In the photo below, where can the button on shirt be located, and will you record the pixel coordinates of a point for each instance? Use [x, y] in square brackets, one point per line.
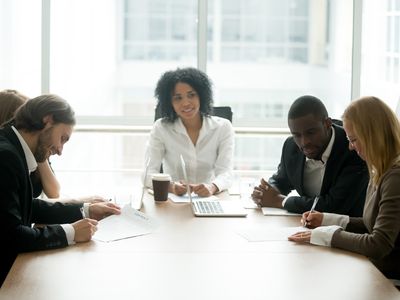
[209, 161]
[314, 171]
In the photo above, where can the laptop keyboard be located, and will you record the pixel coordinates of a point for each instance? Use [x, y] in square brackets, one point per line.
[208, 207]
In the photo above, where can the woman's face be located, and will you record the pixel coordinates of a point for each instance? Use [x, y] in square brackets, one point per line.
[185, 101]
[354, 143]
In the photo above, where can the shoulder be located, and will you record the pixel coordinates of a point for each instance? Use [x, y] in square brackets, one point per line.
[162, 124]
[289, 146]
[390, 180]
[218, 122]
[9, 155]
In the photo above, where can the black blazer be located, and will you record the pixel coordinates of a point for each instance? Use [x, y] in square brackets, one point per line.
[18, 209]
[343, 186]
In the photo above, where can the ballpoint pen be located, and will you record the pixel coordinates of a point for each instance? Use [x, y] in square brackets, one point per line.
[312, 208]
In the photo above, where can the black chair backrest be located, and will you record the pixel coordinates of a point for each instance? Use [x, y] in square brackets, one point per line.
[219, 111]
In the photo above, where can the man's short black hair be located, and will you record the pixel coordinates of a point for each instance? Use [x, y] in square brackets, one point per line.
[306, 105]
[197, 79]
[30, 115]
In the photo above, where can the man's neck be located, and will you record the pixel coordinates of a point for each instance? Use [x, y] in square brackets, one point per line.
[29, 138]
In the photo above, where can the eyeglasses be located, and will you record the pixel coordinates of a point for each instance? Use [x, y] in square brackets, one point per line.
[352, 141]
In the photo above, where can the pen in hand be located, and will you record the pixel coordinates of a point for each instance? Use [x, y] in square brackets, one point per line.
[312, 209]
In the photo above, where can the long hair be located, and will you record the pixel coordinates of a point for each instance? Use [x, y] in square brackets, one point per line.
[377, 129]
[30, 116]
[197, 79]
[10, 100]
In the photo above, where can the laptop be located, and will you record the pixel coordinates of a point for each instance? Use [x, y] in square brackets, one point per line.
[212, 208]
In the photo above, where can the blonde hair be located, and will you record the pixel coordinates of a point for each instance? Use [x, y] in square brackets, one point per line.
[377, 129]
[10, 100]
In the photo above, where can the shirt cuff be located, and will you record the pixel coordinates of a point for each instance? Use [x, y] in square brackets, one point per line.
[335, 219]
[85, 212]
[322, 236]
[284, 200]
[69, 233]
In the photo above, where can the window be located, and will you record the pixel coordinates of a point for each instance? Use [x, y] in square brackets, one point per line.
[106, 57]
[380, 72]
[20, 35]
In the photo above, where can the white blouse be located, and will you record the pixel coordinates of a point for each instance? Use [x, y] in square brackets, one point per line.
[209, 161]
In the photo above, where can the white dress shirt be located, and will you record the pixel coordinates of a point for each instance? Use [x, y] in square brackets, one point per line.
[209, 161]
[32, 165]
[314, 170]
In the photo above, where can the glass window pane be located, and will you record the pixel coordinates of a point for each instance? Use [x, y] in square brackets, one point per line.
[270, 53]
[381, 51]
[106, 56]
[20, 36]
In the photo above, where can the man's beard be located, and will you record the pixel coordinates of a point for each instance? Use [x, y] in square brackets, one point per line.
[42, 149]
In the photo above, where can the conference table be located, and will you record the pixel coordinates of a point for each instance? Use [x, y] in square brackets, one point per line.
[189, 257]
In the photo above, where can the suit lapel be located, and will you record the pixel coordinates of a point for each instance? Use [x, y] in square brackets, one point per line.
[297, 163]
[333, 160]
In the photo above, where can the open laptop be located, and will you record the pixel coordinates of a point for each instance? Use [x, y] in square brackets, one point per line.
[212, 208]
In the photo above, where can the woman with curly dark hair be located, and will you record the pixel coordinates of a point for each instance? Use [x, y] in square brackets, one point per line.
[187, 128]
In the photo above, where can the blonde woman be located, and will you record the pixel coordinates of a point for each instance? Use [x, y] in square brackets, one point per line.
[373, 131]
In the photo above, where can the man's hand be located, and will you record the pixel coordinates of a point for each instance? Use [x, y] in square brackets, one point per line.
[266, 195]
[204, 189]
[84, 229]
[101, 210]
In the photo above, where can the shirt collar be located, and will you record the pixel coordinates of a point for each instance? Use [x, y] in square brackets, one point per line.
[208, 123]
[328, 149]
[30, 159]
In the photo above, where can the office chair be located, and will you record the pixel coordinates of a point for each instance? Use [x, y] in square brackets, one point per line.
[219, 111]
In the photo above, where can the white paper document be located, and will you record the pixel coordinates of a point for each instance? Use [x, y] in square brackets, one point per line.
[273, 211]
[260, 234]
[129, 223]
[185, 198]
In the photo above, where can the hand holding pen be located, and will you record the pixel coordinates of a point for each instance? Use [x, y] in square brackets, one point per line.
[312, 218]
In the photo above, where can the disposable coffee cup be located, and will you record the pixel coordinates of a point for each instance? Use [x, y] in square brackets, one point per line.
[160, 186]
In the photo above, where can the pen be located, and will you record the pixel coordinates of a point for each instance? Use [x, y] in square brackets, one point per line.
[314, 204]
[312, 208]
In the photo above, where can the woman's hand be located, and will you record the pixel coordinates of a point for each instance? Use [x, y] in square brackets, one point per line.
[312, 220]
[204, 189]
[178, 188]
[300, 237]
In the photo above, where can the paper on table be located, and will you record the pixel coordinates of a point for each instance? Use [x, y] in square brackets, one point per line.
[269, 234]
[129, 223]
[185, 198]
[273, 211]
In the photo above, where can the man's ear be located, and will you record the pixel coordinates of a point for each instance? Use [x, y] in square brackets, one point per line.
[48, 121]
[328, 122]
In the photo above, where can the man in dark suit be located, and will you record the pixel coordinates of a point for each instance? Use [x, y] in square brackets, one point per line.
[315, 161]
[41, 128]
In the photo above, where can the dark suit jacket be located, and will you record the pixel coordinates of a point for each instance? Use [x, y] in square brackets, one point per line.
[18, 209]
[344, 184]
